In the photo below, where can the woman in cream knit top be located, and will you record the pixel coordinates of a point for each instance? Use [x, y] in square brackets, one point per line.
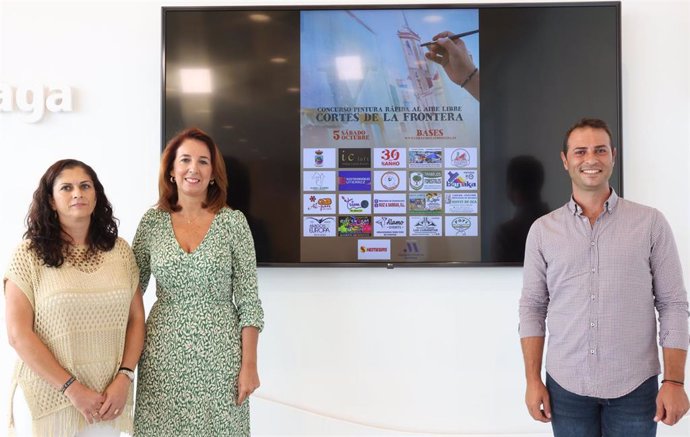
[74, 313]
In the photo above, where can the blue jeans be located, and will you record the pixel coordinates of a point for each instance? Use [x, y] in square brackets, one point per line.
[631, 415]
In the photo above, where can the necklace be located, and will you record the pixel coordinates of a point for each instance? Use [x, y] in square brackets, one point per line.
[190, 220]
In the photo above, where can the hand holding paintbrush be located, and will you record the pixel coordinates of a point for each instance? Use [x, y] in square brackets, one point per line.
[449, 51]
[454, 36]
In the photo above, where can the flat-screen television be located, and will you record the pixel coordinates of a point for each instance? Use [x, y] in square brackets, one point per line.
[346, 145]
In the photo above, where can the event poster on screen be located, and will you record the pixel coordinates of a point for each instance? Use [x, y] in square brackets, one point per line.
[390, 146]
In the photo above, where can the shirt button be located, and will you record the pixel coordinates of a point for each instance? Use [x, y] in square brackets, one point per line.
[593, 270]
[593, 297]
[592, 324]
[592, 243]
[592, 351]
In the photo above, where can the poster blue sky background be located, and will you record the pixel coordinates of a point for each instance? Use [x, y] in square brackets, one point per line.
[371, 35]
[425, 22]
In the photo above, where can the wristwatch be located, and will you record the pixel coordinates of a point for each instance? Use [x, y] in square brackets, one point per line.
[129, 373]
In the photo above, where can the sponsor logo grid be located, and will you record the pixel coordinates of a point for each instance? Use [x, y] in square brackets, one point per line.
[391, 192]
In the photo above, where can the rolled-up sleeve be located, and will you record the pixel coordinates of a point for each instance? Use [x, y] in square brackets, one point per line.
[670, 295]
[534, 300]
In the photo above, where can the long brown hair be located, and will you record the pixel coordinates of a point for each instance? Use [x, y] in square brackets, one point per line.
[43, 224]
[216, 194]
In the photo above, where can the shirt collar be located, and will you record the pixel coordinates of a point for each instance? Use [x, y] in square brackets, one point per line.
[609, 205]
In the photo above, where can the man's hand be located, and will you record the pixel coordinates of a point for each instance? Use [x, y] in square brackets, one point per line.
[671, 403]
[537, 397]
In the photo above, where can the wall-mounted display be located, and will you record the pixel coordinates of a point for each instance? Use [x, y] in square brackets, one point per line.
[352, 136]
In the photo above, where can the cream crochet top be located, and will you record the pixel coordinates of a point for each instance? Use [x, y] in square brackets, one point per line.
[80, 313]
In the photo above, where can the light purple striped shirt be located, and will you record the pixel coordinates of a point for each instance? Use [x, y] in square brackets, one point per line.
[596, 287]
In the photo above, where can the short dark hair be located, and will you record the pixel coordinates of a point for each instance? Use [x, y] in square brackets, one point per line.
[43, 224]
[594, 123]
[216, 194]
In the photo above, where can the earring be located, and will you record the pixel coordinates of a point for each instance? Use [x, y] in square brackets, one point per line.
[172, 179]
[213, 181]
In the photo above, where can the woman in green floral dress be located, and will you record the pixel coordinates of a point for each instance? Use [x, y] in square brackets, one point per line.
[199, 362]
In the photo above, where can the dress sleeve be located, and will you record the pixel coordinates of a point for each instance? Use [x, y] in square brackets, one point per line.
[142, 248]
[22, 270]
[244, 280]
[130, 264]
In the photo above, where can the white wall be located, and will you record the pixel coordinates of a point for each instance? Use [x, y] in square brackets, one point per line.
[345, 351]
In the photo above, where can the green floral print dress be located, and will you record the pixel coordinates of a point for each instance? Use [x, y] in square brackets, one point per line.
[187, 377]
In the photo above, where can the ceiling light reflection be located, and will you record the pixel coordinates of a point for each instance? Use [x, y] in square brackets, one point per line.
[432, 19]
[259, 18]
[349, 67]
[196, 80]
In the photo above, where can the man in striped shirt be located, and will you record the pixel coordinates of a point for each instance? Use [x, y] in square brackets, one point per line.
[599, 267]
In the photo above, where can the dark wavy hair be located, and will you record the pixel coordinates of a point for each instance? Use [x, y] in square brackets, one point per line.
[216, 194]
[43, 225]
